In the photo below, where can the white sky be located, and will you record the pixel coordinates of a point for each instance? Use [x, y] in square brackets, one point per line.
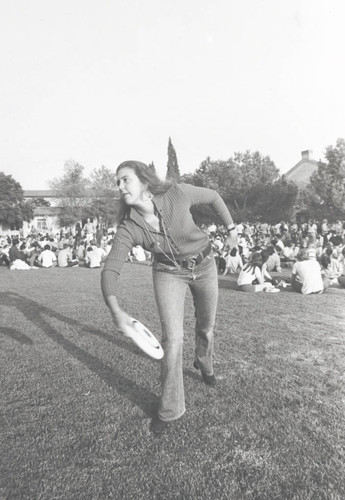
[103, 81]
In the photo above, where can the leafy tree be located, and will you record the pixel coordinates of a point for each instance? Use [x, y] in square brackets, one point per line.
[327, 184]
[72, 193]
[173, 171]
[274, 202]
[236, 179]
[250, 185]
[152, 166]
[104, 195]
[13, 209]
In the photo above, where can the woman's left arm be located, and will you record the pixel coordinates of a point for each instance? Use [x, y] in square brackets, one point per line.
[204, 196]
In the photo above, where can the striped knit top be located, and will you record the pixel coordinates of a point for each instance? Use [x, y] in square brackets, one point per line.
[178, 236]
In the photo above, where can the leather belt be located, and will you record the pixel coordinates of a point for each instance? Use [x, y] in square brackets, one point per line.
[189, 263]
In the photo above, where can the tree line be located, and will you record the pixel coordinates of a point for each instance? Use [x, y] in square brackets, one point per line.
[248, 182]
[252, 188]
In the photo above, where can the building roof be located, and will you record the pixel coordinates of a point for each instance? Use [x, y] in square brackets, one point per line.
[50, 193]
[47, 193]
[303, 170]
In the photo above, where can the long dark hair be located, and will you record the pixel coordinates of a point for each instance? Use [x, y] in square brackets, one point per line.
[257, 260]
[146, 175]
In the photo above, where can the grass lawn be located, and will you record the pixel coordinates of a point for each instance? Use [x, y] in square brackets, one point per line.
[76, 399]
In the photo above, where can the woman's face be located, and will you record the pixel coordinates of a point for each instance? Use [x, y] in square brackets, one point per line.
[130, 186]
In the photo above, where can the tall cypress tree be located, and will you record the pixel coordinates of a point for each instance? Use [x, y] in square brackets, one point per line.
[173, 171]
[152, 167]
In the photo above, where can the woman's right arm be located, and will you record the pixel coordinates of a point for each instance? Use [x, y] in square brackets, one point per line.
[123, 243]
[121, 319]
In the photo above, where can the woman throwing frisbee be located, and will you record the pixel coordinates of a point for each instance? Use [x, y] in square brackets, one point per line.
[156, 215]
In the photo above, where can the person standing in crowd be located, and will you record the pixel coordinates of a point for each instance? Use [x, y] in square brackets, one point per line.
[89, 230]
[99, 235]
[156, 215]
[324, 232]
[78, 234]
[312, 232]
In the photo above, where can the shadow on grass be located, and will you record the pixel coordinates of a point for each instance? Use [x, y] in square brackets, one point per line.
[192, 374]
[16, 335]
[34, 312]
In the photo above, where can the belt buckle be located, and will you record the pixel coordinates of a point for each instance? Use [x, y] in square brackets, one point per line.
[191, 263]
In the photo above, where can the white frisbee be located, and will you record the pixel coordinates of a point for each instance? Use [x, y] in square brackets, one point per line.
[144, 339]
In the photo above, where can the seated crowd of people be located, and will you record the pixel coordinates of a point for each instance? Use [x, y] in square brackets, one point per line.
[315, 252]
[46, 251]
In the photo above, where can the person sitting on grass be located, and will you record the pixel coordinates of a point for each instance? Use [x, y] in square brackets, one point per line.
[331, 265]
[4, 255]
[233, 262]
[17, 257]
[266, 275]
[306, 275]
[273, 262]
[222, 260]
[81, 251]
[252, 276]
[47, 258]
[33, 251]
[341, 259]
[65, 257]
[93, 258]
[341, 279]
[101, 252]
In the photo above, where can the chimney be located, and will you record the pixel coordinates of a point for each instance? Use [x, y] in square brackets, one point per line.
[307, 154]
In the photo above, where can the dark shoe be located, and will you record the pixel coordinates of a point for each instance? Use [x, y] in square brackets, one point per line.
[158, 426]
[208, 379]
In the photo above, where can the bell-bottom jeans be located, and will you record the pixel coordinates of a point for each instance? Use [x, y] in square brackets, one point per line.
[170, 285]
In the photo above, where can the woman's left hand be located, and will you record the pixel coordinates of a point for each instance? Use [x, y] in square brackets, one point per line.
[232, 239]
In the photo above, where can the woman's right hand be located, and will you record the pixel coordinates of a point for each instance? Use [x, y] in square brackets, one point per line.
[123, 322]
[121, 319]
